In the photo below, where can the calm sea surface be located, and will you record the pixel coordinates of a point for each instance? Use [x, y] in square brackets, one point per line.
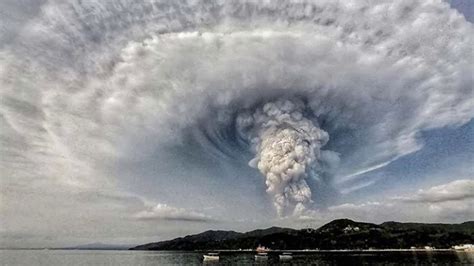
[93, 257]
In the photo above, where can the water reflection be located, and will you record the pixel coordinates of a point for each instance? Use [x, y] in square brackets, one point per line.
[119, 258]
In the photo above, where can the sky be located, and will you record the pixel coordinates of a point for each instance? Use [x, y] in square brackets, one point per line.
[130, 122]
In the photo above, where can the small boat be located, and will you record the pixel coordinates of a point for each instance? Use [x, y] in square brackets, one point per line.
[465, 247]
[261, 256]
[262, 249]
[285, 256]
[211, 256]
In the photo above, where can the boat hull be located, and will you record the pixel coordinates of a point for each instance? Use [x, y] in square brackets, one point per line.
[210, 257]
[261, 257]
[286, 257]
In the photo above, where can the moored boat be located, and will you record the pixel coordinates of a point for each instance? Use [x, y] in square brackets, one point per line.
[261, 256]
[262, 249]
[286, 256]
[464, 247]
[211, 256]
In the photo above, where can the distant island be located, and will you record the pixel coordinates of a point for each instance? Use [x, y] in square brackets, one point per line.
[98, 246]
[336, 235]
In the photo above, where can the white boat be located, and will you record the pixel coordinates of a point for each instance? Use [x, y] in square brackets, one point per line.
[261, 256]
[465, 247]
[211, 256]
[286, 256]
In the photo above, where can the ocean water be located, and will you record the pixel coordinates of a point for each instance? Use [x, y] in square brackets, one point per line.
[99, 257]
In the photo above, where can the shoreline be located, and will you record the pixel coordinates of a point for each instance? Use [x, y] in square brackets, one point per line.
[332, 250]
[254, 252]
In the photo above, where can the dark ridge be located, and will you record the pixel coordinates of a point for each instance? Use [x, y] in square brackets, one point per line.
[268, 231]
[338, 234]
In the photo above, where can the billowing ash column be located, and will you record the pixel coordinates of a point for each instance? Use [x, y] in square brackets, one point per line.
[287, 146]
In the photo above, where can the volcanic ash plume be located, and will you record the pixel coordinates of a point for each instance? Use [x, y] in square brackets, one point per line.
[287, 147]
[176, 92]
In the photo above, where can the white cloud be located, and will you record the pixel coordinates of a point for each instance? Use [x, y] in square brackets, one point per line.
[68, 215]
[451, 202]
[455, 191]
[165, 212]
[378, 212]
